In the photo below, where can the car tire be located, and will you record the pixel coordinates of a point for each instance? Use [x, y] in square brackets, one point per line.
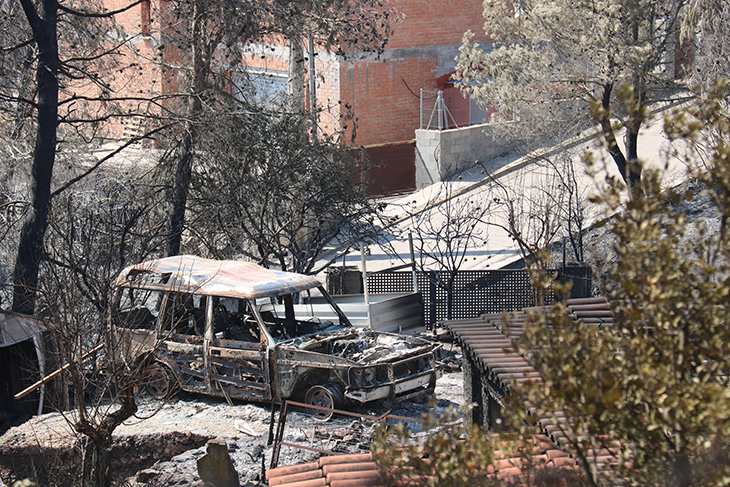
[326, 396]
[159, 382]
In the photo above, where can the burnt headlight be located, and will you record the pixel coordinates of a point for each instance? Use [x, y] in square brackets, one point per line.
[368, 376]
[363, 377]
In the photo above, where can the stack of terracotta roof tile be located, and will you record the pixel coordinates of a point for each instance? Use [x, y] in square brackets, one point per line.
[544, 455]
[362, 471]
[487, 340]
[484, 342]
[336, 471]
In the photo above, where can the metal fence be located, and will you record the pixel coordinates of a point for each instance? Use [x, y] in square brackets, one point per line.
[474, 292]
[450, 108]
[443, 111]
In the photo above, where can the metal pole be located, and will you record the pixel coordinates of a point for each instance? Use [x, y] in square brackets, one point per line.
[41, 371]
[365, 281]
[421, 106]
[54, 374]
[440, 109]
[413, 262]
[312, 87]
[444, 112]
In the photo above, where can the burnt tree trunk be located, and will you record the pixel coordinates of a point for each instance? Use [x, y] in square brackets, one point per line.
[450, 295]
[180, 189]
[43, 23]
[98, 447]
[97, 473]
[629, 170]
[185, 156]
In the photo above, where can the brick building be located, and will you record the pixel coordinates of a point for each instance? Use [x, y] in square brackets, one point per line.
[373, 100]
[423, 48]
[378, 101]
[381, 93]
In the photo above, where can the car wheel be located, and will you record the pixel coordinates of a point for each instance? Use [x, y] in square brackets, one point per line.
[158, 382]
[325, 396]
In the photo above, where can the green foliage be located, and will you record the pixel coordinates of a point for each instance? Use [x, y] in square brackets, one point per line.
[650, 391]
[655, 381]
[452, 453]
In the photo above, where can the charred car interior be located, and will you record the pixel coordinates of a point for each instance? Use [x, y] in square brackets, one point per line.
[237, 330]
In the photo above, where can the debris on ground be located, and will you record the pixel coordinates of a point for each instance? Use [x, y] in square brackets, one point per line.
[162, 444]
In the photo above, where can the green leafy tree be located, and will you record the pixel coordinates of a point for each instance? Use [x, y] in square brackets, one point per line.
[650, 392]
[655, 382]
[453, 453]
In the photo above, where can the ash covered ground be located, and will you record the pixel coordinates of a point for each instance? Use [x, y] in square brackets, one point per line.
[162, 444]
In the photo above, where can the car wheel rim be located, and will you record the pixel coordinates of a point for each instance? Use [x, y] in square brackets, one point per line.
[323, 397]
[158, 385]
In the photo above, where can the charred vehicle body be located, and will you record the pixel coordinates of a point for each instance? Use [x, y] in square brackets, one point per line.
[228, 328]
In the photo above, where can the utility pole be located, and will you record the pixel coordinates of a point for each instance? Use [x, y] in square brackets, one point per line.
[312, 87]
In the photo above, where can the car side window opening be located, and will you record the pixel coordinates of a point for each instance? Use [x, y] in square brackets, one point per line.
[285, 321]
[233, 319]
[139, 308]
[184, 314]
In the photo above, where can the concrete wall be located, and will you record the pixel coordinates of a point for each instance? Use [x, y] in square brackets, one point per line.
[441, 154]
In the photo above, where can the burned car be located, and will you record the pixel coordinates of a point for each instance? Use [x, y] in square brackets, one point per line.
[237, 330]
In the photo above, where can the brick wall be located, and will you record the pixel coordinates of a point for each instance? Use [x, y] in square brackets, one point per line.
[383, 96]
[136, 74]
[436, 22]
[327, 68]
[375, 100]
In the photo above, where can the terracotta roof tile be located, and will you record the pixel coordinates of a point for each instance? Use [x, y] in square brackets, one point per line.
[349, 467]
[358, 470]
[292, 469]
[297, 477]
[361, 470]
[319, 482]
[487, 341]
[483, 340]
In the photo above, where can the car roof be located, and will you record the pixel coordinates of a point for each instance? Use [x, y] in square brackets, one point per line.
[197, 275]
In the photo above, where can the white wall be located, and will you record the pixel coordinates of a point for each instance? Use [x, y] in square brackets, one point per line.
[441, 154]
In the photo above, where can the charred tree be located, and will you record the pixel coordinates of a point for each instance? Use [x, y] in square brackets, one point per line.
[43, 20]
